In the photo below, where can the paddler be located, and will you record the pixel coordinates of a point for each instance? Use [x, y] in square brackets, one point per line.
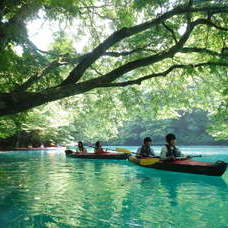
[145, 150]
[80, 148]
[170, 151]
[98, 148]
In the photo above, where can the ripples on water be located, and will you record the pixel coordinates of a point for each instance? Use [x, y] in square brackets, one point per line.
[46, 189]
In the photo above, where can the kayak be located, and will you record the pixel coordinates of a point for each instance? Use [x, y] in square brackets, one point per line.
[105, 155]
[185, 166]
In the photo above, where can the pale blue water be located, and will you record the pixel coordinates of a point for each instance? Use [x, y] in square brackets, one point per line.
[46, 189]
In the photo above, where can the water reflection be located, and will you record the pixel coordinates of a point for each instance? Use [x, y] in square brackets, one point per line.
[50, 190]
[174, 198]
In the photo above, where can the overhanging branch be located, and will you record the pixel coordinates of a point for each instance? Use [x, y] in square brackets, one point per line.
[117, 36]
[162, 74]
[20, 100]
[118, 72]
[203, 51]
[63, 60]
[37, 76]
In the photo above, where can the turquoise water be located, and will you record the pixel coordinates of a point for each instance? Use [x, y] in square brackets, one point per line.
[45, 189]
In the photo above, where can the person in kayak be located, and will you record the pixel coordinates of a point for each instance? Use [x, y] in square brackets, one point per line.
[98, 148]
[145, 150]
[170, 151]
[80, 148]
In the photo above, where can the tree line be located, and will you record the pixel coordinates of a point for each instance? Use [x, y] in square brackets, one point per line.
[191, 128]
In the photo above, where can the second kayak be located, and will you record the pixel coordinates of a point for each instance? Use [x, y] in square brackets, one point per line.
[105, 155]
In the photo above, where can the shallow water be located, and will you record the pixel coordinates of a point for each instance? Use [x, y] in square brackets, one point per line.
[46, 189]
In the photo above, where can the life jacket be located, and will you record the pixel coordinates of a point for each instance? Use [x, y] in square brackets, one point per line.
[172, 151]
[145, 151]
[81, 150]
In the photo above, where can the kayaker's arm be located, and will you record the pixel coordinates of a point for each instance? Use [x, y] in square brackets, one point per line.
[179, 153]
[152, 154]
[163, 154]
[138, 152]
[182, 156]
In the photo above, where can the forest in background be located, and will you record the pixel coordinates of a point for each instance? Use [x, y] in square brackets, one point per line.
[191, 128]
[47, 126]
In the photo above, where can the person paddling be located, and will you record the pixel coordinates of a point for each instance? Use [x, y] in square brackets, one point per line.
[98, 148]
[145, 150]
[80, 148]
[170, 151]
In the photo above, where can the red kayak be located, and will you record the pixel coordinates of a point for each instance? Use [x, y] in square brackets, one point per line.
[185, 166]
[105, 155]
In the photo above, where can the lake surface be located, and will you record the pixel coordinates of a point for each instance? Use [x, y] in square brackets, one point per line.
[45, 189]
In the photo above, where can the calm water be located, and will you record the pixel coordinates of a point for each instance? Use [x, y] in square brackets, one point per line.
[46, 189]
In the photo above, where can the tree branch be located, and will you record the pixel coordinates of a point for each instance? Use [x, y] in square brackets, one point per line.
[18, 101]
[116, 73]
[203, 50]
[37, 76]
[210, 23]
[63, 60]
[95, 7]
[125, 68]
[124, 53]
[161, 74]
[94, 69]
[171, 31]
[117, 36]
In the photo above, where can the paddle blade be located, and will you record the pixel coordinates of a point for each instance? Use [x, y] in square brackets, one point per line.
[149, 161]
[123, 150]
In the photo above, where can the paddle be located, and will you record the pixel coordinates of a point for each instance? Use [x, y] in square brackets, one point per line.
[129, 152]
[199, 156]
[124, 150]
[196, 156]
[191, 156]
